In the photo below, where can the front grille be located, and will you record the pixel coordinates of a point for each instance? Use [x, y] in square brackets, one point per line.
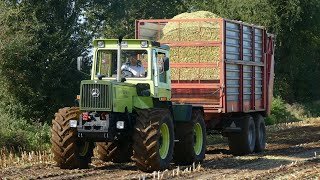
[95, 97]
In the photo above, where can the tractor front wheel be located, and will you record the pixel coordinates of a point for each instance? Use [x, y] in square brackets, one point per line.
[69, 153]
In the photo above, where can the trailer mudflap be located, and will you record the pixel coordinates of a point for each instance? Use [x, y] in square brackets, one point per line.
[232, 128]
[182, 112]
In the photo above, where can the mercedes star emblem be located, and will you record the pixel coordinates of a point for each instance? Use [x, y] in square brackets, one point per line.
[95, 92]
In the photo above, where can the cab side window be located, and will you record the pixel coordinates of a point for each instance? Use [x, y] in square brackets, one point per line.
[162, 73]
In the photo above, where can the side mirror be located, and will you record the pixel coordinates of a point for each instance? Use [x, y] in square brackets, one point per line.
[166, 64]
[79, 63]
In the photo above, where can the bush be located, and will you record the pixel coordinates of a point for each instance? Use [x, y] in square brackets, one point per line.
[280, 112]
[19, 134]
[313, 109]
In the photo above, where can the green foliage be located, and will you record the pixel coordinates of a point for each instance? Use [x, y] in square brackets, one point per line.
[18, 134]
[280, 113]
[109, 19]
[283, 112]
[313, 109]
[39, 46]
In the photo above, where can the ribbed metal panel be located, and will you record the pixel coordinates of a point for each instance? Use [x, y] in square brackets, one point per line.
[233, 82]
[90, 100]
[247, 82]
[258, 45]
[258, 83]
[232, 41]
[247, 43]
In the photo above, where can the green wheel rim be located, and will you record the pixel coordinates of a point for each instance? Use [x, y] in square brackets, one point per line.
[198, 138]
[84, 149]
[164, 141]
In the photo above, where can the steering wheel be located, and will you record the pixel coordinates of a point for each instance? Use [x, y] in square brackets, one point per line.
[126, 73]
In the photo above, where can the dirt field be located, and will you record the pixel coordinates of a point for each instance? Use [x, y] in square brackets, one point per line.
[293, 152]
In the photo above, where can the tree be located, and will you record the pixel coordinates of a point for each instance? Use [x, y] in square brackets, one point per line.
[109, 19]
[41, 42]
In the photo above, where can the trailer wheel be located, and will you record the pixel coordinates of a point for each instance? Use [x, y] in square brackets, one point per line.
[243, 143]
[117, 152]
[260, 133]
[153, 139]
[68, 152]
[192, 140]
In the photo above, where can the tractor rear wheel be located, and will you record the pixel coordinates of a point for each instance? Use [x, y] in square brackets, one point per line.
[117, 152]
[243, 142]
[192, 140]
[153, 139]
[68, 152]
[260, 133]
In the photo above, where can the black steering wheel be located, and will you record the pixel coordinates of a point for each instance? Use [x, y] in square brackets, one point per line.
[126, 73]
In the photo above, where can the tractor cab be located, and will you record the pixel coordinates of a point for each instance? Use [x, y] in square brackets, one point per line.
[132, 72]
[140, 60]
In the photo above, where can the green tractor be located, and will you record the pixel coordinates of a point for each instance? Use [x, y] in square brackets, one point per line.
[126, 112]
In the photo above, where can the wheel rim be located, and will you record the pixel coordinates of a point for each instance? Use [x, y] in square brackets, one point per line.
[84, 149]
[198, 138]
[164, 141]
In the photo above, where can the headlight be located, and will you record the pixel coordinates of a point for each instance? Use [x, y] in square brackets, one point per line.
[120, 124]
[144, 44]
[101, 44]
[73, 123]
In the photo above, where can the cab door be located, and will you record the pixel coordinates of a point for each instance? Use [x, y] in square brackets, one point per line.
[161, 74]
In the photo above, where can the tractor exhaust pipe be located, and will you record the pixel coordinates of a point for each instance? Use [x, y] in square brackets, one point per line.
[119, 60]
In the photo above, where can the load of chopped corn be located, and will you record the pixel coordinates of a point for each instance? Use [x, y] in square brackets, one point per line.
[181, 32]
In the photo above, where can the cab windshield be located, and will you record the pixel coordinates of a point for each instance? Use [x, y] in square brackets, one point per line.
[134, 63]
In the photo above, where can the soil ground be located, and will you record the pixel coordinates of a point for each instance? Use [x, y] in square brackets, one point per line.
[293, 152]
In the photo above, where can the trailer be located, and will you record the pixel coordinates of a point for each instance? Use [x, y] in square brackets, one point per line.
[244, 86]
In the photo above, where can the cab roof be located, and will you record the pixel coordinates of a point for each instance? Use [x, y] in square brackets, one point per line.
[128, 43]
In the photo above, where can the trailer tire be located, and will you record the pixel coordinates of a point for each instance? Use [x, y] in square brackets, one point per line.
[192, 145]
[69, 153]
[260, 133]
[243, 143]
[116, 152]
[153, 139]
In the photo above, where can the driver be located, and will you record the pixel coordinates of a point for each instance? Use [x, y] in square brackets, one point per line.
[134, 66]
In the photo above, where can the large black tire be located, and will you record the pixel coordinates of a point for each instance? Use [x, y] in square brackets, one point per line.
[260, 133]
[68, 152]
[148, 139]
[243, 143]
[117, 152]
[184, 150]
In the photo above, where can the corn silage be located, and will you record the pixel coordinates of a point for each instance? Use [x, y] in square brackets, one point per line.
[181, 32]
